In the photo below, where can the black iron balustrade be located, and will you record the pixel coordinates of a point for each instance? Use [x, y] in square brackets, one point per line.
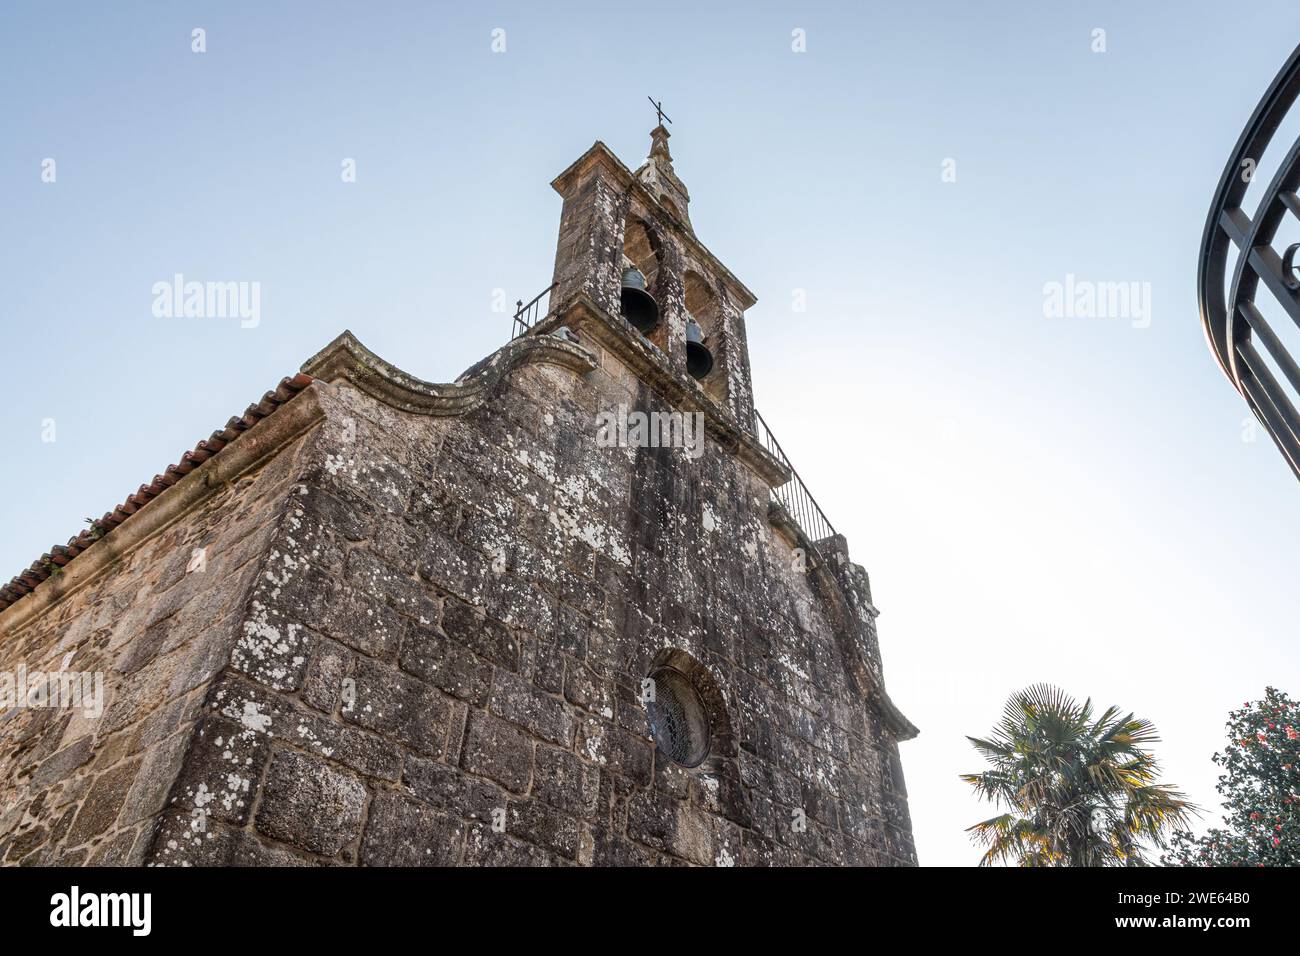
[526, 316]
[1234, 325]
[794, 495]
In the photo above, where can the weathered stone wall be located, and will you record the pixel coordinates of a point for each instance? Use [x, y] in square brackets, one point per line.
[86, 785]
[454, 618]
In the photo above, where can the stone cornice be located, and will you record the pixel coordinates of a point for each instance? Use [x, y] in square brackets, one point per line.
[346, 359]
[601, 154]
[586, 318]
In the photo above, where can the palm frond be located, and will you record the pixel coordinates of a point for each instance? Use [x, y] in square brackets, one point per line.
[1080, 788]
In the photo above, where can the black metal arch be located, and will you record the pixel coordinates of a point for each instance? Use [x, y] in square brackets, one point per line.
[1234, 326]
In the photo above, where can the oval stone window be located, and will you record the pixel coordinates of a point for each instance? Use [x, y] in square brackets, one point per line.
[677, 717]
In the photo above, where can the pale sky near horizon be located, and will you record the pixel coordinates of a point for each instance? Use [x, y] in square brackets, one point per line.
[1037, 499]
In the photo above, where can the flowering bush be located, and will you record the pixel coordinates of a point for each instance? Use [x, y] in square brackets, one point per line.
[1261, 790]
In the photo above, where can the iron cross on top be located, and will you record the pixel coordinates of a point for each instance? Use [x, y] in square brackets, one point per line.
[659, 110]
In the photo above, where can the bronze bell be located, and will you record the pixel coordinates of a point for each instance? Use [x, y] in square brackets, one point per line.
[638, 305]
[699, 360]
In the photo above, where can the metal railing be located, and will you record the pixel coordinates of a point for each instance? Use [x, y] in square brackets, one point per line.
[526, 316]
[1234, 326]
[794, 495]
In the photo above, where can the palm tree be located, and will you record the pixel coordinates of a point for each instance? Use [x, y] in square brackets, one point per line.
[1079, 791]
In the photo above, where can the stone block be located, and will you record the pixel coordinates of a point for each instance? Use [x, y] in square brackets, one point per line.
[401, 831]
[103, 803]
[499, 751]
[398, 706]
[309, 804]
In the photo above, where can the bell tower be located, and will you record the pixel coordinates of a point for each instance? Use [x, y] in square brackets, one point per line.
[628, 265]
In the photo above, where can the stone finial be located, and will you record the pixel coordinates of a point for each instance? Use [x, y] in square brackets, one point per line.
[657, 174]
[659, 146]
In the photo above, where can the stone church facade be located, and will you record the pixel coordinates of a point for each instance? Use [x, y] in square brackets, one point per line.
[378, 621]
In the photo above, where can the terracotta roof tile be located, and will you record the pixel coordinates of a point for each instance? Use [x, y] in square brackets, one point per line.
[60, 555]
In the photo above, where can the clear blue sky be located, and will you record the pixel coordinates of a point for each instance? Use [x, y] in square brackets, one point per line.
[1067, 500]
